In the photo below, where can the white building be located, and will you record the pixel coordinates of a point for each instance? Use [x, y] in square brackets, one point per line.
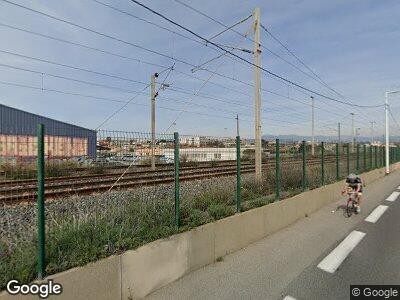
[205, 154]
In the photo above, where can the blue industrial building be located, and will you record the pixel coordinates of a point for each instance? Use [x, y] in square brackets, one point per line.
[16, 125]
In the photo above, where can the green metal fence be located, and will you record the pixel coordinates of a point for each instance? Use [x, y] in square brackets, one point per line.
[136, 189]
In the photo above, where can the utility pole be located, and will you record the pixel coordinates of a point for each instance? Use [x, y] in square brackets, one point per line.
[352, 132]
[372, 131]
[257, 85]
[387, 132]
[338, 132]
[387, 127]
[153, 119]
[237, 125]
[312, 126]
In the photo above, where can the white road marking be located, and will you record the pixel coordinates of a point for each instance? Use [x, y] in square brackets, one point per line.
[339, 254]
[289, 298]
[393, 196]
[376, 214]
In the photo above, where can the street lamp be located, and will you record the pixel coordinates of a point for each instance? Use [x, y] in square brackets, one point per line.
[387, 128]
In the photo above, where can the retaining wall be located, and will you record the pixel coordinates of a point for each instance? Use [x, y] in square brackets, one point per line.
[136, 273]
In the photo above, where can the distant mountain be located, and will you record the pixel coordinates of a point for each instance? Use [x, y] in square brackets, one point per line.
[322, 138]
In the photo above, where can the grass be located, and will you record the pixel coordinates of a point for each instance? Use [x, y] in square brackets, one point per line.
[83, 230]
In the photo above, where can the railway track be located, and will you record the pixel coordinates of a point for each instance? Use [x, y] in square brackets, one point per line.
[14, 191]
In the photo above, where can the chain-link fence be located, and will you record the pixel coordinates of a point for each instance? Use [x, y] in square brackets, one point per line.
[101, 193]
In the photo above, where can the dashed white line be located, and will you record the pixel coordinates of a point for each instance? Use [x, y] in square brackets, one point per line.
[339, 254]
[289, 298]
[376, 214]
[393, 196]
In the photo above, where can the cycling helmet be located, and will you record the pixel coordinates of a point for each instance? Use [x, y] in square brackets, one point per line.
[352, 176]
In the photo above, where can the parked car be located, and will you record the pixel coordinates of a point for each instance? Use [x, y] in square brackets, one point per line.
[166, 160]
[130, 158]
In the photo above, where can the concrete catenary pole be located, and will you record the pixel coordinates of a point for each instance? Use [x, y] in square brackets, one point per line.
[372, 131]
[353, 139]
[387, 132]
[387, 127]
[153, 119]
[312, 126]
[257, 99]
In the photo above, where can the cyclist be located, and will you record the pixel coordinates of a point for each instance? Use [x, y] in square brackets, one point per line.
[355, 183]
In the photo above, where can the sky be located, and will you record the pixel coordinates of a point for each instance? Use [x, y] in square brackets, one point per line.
[82, 77]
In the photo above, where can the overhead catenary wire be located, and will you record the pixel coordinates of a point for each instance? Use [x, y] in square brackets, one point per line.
[239, 33]
[318, 78]
[113, 76]
[122, 41]
[178, 71]
[178, 90]
[179, 60]
[184, 91]
[230, 112]
[130, 100]
[191, 76]
[250, 63]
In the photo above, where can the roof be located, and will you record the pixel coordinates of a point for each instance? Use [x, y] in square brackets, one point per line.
[13, 120]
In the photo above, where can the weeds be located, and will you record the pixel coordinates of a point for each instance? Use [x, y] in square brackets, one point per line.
[87, 228]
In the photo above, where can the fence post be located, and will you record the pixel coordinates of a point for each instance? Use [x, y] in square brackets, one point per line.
[322, 163]
[40, 202]
[177, 185]
[348, 157]
[358, 158]
[238, 178]
[365, 157]
[277, 171]
[337, 162]
[370, 157]
[376, 156]
[391, 154]
[303, 152]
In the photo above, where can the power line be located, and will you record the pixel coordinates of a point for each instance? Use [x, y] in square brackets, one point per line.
[391, 114]
[126, 102]
[97, 32]
[222, 24]
[245, 60]
[239, 33]
[317, 77]
[130, 100]
[118, 55]
[132, 44]
[80, 45]
[177, 89]
[71, 67]
[169, 57]
[121, 41]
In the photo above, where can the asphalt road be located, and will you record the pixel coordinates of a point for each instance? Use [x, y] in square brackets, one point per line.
[294, 262]
[375, 260]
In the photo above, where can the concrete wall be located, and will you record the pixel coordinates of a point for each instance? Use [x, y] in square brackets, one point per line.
[139, 272]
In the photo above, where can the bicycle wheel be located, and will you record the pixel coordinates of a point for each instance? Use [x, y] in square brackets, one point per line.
[349, 208]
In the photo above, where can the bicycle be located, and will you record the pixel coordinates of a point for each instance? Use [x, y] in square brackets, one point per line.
[351, 204]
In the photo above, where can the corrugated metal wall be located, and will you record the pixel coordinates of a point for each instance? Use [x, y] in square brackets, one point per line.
[18, 122]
